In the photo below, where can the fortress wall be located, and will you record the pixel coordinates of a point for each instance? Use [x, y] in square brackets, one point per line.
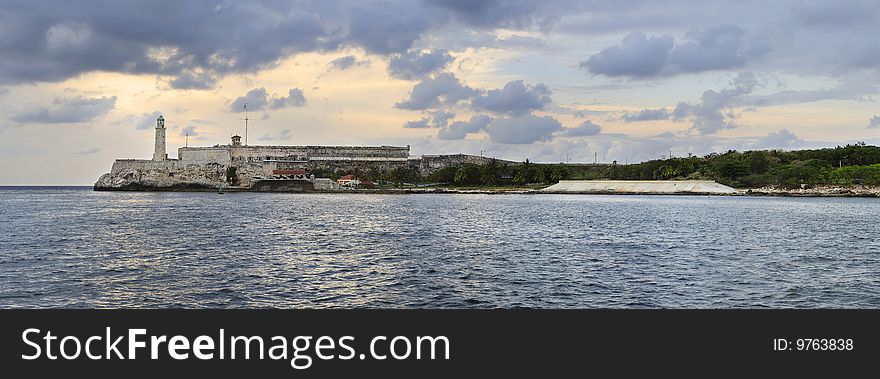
[306, 152]
[121, 165]
[362, 166]
[223, 154]
[204, 154]
[432, 163]
[358, 151]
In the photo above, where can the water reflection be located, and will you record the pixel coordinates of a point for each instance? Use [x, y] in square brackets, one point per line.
[78, 248]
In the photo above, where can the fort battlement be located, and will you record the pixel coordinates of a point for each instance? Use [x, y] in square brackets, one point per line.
[241, 165]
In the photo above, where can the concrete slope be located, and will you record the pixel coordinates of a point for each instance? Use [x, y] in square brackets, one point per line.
[658, 187]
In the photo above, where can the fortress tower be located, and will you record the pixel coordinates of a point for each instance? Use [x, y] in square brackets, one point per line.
[159, 154]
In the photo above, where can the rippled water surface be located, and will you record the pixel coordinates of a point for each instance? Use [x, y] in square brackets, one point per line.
[72, 247]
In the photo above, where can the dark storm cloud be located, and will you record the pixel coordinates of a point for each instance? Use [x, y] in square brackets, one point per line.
[460, 129]
[490, 13]
[515, 98]
[52, 42]
[195, 44]
[387, 28]
[721, 47]
[416, 64]
[68, 110]
[585, 129]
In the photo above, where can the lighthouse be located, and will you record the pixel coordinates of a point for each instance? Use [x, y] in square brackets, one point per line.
[159, 154]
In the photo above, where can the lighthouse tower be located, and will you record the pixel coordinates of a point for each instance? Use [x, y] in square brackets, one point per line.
[159, 154]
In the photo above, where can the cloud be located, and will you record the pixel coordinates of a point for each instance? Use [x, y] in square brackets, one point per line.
[436, 119]
[522, 129]
[295, 98]
[874, 122]
[585, 129]
[68, 110]
[835, 15]
[189, 131]
[647, 115]
[388, 28]
[719, 47]
[346, 62]
[443, 89]
[423, 123]
[514, 98]
[637, 57]
[146, 120]
[511, 14]
[89, 151]
[782, 139]
[60, 40]
[714, 112]
[192, 80]
[416, 64]
[446, 90]
[460, 129]
[285, 135]
[440, 118]
[258, 99]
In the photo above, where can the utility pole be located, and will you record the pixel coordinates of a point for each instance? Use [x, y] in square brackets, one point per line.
[186, 144]
[596, 157]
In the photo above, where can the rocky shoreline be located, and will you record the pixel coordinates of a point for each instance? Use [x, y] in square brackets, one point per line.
[817, 191]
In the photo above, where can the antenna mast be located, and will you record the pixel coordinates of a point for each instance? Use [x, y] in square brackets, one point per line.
[245, 125]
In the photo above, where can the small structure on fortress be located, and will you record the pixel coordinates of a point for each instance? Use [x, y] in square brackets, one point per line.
[262, 168]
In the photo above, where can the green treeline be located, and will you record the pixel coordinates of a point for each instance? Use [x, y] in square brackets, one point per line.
[850, 164]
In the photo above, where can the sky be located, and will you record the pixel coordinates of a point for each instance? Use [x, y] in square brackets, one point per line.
[82, 82]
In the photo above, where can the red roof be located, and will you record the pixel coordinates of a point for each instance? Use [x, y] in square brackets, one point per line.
[347, 177]
[288, 172]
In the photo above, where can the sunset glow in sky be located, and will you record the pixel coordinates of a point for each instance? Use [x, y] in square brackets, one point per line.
[81, 82]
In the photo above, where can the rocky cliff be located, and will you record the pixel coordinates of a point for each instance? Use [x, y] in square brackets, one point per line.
[161, 175]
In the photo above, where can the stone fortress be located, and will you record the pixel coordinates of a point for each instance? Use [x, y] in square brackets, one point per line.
[264, 168]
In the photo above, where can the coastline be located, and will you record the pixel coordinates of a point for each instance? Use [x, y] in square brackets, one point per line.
[815, 191]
